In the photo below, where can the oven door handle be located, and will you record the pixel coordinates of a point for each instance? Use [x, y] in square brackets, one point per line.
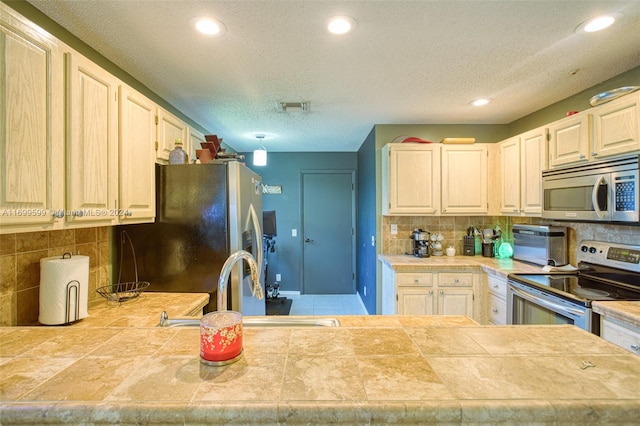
[547, 304]
[594, 197]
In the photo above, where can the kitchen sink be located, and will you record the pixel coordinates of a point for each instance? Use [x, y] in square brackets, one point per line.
[256, 322]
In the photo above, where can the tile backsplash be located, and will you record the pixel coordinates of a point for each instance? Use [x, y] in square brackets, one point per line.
[453, 228]
[20, 256]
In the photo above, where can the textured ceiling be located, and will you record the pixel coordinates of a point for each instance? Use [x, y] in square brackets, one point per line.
[408, 62]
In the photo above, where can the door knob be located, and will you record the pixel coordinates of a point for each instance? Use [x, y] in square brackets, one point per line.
[308, 240]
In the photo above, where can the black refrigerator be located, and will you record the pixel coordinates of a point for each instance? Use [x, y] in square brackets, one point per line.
[204, 213]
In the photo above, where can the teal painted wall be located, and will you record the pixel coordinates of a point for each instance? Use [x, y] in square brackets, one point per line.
[366, 254]
[284, 169]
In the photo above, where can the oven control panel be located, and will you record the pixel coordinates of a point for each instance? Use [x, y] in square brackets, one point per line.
[615, 255]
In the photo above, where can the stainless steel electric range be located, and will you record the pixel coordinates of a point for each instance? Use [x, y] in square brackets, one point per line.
[606, 271]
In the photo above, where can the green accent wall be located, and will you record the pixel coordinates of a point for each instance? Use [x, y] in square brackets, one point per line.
[577, 102]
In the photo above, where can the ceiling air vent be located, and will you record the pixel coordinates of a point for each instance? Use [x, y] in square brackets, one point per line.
[293, 107]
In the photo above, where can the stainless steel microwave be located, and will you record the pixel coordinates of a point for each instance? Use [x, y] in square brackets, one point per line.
[598, 191]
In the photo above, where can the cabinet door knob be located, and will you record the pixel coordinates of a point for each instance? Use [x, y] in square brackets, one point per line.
[594, 154]
[635, 347]
[430, 292]
[58, 214]
[441, 292]
[495, 311]
[582, 156]
[415, 280]
[457, 280]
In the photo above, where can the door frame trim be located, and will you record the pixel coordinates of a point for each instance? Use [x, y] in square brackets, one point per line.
[354, 188]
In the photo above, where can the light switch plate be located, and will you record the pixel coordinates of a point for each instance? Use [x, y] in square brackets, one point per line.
[294, 232]
[394, 229]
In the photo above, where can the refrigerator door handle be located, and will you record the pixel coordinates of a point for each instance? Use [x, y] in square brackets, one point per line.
[258, 230]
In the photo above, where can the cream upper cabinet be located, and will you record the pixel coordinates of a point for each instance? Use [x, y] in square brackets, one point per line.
[136, 177]
[193, 143]
[92, 142]
[465, 179]
[522, 159]
[616, 126]
[169, 129]
[510, 176]
[410, 179]
[569, 140]
[31, 127]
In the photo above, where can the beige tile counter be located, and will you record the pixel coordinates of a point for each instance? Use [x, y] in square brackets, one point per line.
[503, 266]
[625, 311]
[372, 370]
[144, 310]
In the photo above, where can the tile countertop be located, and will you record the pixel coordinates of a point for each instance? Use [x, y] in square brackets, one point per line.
[377, 369]
[144, 310]
[625, 311]
[502, 266]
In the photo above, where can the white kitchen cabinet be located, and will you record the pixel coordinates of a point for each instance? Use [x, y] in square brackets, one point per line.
[464, 179]
[429, 293]
[91, 143]
[569, 139]
[193, 143]
[169, 129]
[136, 174]
[410, 179]
[496, 298]
[617, 126]
[522, 159]
[31, 126]
[415, 301]
[622, 334]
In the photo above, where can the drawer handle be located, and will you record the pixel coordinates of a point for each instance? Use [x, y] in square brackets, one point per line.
[635, 347]
[415, 280]
[457, 280]
[496, 286]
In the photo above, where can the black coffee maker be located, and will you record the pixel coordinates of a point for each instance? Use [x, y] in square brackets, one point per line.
[420, 243]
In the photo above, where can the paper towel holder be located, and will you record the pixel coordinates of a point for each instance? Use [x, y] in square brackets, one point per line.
[72, 285]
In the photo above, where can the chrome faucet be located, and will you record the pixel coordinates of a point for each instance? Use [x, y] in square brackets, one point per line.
[256, 290]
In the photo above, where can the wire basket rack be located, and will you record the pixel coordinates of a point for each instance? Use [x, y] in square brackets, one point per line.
[121, 292]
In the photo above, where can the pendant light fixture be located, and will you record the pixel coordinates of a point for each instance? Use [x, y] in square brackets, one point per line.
[260, 154]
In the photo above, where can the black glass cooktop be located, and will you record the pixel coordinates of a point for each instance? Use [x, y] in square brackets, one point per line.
[580, 287]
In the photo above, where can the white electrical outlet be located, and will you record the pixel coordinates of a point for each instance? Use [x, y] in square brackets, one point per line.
[278, 277]
[365, 291]
[394, 229]
[294, 232]
[373, 241]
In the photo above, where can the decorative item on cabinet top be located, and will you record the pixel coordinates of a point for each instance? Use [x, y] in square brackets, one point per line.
[458, 140]
[610, 95]
[409, 139]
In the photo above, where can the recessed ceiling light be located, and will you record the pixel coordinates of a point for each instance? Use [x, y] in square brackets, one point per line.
[260, 135]
[480, 102]
[598, 23]
[209, 26]
[340, 24]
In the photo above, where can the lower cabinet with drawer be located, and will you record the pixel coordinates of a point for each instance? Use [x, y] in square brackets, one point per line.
[429, 293]
[496, 298]
[622, 334]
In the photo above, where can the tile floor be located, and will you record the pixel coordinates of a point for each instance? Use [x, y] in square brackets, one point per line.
[325, 304]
